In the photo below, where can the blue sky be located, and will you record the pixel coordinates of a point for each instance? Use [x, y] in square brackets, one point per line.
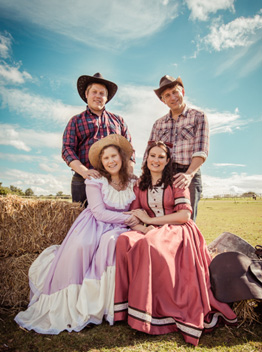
[215, 46]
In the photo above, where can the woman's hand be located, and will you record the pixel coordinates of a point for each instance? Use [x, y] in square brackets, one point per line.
[142, 215]
[132, 220]
[148, 228]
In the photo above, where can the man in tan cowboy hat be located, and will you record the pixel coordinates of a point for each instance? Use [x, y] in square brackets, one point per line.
[89, 126]
[186, 131]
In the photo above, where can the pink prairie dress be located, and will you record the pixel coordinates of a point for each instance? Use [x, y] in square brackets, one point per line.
[73, 284]
[162, 278]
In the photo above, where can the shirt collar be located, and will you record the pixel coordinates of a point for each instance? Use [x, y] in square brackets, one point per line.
[91, 112]
[183, 113]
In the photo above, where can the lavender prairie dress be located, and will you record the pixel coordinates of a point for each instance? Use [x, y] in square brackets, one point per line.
[73, 284]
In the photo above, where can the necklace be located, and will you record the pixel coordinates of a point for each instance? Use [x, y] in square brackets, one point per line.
[116, 183]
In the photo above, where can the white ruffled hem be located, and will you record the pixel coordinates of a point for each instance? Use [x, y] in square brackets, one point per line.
[112, 197]
[72, 308]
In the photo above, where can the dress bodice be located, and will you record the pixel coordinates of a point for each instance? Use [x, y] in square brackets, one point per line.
[113, 199]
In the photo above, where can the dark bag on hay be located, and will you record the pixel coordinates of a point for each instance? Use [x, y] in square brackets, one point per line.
[235, 277]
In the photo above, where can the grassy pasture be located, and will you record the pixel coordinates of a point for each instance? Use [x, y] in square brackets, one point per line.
[242, 217]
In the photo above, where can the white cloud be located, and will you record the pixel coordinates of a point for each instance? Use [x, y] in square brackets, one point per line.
[237, 184]
[9, 136]
[5, 45]
[98, 23]
[36, 106]
[224, 122]
[241, 32]
[12, 74]
[139, 103]
[228, 164]
[40, 183]
[26, 139]
[140, 107]
[200, 9]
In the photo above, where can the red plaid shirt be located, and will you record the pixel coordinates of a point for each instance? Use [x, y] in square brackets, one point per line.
[86, 128]
[189, 135]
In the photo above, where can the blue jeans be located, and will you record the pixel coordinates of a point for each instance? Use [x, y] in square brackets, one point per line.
[195, 187]
[78, 189]
[195, 190]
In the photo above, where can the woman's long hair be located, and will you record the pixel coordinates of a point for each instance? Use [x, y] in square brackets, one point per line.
[123, 172]
[167, 175]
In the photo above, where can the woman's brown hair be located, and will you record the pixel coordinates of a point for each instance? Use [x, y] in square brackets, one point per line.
[167, 175]
[123, 172]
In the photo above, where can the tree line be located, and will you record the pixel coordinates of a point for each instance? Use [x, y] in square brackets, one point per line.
[27, 193]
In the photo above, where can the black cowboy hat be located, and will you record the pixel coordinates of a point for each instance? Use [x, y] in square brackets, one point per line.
[167, 82]
[235, 277]
[84, 81]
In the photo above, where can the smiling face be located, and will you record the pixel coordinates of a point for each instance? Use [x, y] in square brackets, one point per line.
[174, 98]
[157, 160]
[96, 96]
[111, 160]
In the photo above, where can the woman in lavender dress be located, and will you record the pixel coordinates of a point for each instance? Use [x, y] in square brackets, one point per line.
[72, 284]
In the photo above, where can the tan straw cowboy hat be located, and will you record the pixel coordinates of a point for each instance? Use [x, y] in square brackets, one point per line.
[84, 81]
[112, 139]
[167, 82]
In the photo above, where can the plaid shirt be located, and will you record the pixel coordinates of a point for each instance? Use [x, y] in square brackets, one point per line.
[189, 135]
[85, 129]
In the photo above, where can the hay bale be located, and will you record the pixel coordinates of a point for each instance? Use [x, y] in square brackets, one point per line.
[30, 226]
[14, 287]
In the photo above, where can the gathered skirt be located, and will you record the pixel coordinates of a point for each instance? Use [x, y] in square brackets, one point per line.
[163, 285]
[72, 284]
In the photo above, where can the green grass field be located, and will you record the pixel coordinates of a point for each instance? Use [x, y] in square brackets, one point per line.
[242, 217]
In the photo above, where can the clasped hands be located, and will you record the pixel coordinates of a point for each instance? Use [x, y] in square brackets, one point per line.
[138, 216]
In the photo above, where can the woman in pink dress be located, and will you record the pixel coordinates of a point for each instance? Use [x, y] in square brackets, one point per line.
[162, 275]
[72, 284]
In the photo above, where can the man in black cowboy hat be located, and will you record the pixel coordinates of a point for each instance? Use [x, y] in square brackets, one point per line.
[186, 131]
[89, 126]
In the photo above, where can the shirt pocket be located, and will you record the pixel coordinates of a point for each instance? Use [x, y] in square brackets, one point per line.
[187, 132]
[163, 135]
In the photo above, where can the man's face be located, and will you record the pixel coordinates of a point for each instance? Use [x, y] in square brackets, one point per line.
[174, 98]
[96, 97]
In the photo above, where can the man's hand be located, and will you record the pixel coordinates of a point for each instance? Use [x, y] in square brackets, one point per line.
[182, 180]
[91, 172]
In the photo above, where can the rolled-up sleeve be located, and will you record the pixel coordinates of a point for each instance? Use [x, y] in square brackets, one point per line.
[201, 143]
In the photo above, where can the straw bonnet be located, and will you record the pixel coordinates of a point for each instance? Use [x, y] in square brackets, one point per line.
[84, 81]
[167, 82]
[112, 139]
[235, 277]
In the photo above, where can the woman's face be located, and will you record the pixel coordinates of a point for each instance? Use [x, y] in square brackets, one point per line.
[111, 160]
[157, 159]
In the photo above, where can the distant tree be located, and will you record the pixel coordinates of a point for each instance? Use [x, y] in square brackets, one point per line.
[29, 192]
[4, 191]
[59, 194]
[16, 190]
[249, 194]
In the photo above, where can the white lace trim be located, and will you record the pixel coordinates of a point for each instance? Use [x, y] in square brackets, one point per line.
[112, 197]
